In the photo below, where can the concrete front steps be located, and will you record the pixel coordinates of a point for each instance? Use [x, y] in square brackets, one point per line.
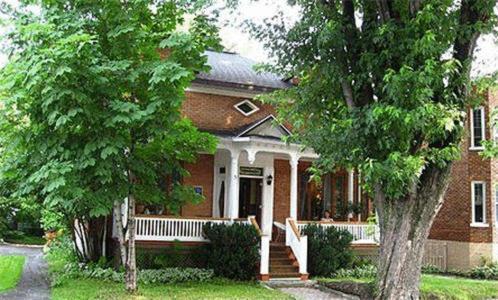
[283, 264]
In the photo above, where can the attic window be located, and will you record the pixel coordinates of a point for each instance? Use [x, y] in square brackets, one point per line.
[246, 107]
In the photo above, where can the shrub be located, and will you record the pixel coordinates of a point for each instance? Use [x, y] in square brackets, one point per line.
[234, 250]
[168, 275]
[365, 271]
[485, 271]
[328, 250]
[173, 275]
[431, 269]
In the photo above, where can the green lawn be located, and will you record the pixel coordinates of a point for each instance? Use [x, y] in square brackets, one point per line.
[447, 287]
[459, 288]
[10, 271]
[76, 289]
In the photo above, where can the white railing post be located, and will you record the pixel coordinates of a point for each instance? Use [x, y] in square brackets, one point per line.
[303, 264]
[265, 256]
[287, 232]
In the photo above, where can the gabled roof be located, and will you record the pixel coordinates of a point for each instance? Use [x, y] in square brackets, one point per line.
[233, 70]
[265, 128]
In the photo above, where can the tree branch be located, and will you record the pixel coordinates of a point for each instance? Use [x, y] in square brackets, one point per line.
[466, 40]
[347, 91]
[384, 11]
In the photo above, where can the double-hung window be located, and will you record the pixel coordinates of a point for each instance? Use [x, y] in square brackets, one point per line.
[478, 203]
[477, 128]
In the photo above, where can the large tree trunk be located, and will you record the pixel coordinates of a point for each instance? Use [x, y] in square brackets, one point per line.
[131, 267]
[404, 227]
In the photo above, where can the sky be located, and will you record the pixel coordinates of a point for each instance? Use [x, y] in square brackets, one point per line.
[235, 39]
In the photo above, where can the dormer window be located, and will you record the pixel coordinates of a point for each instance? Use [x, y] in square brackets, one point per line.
[246, 107]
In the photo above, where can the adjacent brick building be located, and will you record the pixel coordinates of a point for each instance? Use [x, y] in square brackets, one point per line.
[463, 225]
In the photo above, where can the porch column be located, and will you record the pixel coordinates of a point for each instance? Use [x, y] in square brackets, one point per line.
[350, 191]
[233, 192]
[294, 160]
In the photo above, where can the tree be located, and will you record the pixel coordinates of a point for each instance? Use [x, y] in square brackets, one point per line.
[383, 87]
[90, 103]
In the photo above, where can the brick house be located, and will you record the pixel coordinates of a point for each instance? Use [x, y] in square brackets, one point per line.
[257, 178]
[468, 220]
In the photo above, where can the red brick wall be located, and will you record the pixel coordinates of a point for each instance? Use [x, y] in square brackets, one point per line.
[281, 194]
[454, 218]
[201, 175]
[215, 112]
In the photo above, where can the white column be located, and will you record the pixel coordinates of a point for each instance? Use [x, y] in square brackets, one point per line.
[233, 193]
[350, 191]
[267, 211]
[350, 186]
[294, 160]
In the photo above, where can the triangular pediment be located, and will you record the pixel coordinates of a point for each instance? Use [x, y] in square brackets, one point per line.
[267, 127]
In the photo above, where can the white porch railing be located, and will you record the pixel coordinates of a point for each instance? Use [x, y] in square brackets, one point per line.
[168, 229]
[298, 244]
[363, 233]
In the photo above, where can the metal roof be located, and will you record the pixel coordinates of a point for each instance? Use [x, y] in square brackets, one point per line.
[231, 69]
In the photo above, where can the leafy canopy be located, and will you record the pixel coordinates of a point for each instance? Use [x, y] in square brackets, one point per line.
[92, 94]
[381, 88]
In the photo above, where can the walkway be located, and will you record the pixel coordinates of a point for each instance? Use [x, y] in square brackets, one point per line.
[311, 293]
[34, 283]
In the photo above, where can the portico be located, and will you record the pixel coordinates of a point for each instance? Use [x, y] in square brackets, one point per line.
[253, 157]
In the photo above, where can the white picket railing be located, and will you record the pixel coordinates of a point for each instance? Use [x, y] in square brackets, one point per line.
[167, 229]
[298, 244]
[363, 233]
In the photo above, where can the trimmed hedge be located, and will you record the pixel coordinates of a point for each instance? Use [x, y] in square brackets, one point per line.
[328, 250]
[233, 251]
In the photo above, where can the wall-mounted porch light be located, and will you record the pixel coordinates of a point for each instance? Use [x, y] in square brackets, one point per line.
[269, 179]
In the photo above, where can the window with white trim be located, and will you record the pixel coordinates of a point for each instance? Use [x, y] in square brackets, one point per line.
[246, 107]
[478, 202]
[477, 128]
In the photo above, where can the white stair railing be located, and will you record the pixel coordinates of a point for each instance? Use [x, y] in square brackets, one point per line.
[361, 232]
[297, 243]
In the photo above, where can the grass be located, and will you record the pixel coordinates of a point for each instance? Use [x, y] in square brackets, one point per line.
[446, 287]
[80, 288]
[75, 289]
[11, 267]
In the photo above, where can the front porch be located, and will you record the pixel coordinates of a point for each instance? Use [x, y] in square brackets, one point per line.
[283, 254]
[265, 183]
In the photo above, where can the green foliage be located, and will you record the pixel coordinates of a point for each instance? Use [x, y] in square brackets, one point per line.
[387, 95]
[166, 275]
[328, 249]
[233, 251]
[91, 97]
[431, 269]
[25, 212]
[486, 270]
[52, 220]
[365, 271]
